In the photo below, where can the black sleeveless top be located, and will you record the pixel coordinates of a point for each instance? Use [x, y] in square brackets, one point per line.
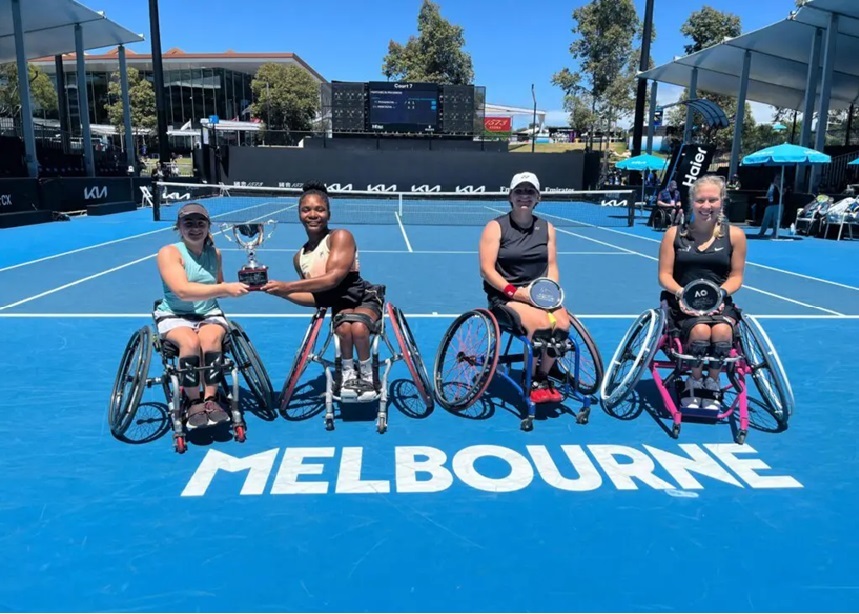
[691, 263]
[523, 254]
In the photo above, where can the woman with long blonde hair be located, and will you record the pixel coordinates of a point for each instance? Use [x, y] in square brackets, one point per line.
[708, 248]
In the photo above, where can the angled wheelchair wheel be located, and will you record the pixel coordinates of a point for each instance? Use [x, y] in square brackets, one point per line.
[130, 382]
[302, 357]
[631, 358]
[411, 354]
[766, 369]
[466, 359]
[250, 365]
[590, 361]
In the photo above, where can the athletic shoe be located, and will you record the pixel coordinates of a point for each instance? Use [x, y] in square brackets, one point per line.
[216, 412]
[690, 398]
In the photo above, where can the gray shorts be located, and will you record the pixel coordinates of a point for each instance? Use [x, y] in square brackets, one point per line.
[167, 321]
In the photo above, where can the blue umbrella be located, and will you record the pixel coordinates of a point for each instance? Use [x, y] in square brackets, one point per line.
[644, 162]
[782, 155]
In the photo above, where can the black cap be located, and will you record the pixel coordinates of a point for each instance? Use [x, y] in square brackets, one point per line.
[193, 209]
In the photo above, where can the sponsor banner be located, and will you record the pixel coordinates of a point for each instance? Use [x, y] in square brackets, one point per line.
[693, 162]
[65, 194]
[498, 124]
[400, 171]
[17, 195]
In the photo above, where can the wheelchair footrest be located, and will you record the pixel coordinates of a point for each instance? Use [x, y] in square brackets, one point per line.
[700, 413]
[350, 395]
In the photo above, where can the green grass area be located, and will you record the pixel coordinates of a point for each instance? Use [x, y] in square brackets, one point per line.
[617, 147]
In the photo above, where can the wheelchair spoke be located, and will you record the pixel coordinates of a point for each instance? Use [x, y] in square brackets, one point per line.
[466, 360]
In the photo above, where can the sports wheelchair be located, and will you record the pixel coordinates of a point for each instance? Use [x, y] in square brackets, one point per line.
[661, 218]
[132, 378]
[469, 356]
[334, 390]
[752, 355]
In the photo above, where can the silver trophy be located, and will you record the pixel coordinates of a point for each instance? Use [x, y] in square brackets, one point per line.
[701, 298]
[250, 237]
[546, 293]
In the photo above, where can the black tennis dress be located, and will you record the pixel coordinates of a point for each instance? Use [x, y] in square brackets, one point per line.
[523, 255]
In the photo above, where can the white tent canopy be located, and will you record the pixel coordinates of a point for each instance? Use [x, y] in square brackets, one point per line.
[780, 55]
[49, 28]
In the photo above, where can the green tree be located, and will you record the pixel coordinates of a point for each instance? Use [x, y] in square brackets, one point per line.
[141, 99]
[285, 98]
[604, 47]
[705, 28]
[436, 55]
[42, 90]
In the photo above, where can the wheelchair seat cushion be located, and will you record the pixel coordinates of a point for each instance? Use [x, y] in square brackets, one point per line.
[508, 320]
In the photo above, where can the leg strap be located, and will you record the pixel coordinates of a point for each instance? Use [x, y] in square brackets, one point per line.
[214, 372]
[190, 377]
[721, 351]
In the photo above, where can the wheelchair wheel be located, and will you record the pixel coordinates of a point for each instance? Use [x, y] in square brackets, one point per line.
[302, 356]
[590, 361]
[466, 359]
[130, 382]
[631, 358]
[767, 370]
[411, 354]
[250, 365]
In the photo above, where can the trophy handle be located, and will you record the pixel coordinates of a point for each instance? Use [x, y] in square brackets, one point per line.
[225, 230]
[272, 224]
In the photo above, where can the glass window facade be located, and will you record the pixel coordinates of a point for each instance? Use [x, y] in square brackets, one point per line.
[191, 93]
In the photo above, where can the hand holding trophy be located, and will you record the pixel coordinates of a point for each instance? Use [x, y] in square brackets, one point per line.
[250, 237]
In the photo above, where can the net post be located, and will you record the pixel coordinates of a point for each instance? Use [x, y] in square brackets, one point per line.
[156, 202]
[630, 211]
[400, 205]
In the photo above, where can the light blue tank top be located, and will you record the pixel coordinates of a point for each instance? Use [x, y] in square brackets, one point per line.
[202, 269]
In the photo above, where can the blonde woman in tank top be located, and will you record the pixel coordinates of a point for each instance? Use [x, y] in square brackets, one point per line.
[329, 268]
[189, 314]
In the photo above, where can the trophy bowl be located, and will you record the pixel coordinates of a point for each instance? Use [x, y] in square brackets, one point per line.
[250, 236]
[701, 298]
[546, 293]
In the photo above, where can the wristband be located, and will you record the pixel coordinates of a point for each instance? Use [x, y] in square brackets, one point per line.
[510, 290]
[724, 293]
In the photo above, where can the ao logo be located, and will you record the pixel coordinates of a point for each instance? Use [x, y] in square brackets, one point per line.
[700, 293]
[5, 200]
[95, 192]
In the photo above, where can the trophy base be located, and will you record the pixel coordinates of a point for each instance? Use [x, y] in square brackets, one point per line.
[254, 278]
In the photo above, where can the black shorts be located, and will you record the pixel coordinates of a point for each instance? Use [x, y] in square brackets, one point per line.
[683, 323]
[372, 298]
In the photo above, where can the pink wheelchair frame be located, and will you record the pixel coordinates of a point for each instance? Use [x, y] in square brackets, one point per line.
[752, 357]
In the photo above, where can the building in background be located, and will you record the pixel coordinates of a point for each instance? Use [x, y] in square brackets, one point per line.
[197, 84]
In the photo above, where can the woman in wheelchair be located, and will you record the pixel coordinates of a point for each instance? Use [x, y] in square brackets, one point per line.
[189, 314]
[515, 249]
[330, 277]
[708, 248]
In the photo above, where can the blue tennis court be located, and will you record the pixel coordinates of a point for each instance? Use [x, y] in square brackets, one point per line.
[441, 513]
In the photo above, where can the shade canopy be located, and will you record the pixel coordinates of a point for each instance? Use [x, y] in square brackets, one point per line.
[786, 154]
[644, 162]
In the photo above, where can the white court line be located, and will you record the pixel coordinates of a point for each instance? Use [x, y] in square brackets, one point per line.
[403, 230]
[83, 249]
[122, 266]
[745, 286]
[419, 251]
[649, 257]
[748, 263]
[288, 316]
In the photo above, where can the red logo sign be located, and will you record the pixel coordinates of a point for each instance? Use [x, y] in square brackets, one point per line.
[498, 124]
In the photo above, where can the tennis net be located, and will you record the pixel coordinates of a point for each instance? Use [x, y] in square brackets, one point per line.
[243, 204]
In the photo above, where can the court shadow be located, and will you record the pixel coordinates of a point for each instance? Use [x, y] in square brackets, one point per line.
[644, 397]
[404, 397]
[219, 433]
[151, 422]
[502, 395]
[761, 417]
[308, 400]
[248, 404]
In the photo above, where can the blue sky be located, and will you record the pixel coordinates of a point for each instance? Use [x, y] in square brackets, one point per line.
[513, 43]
